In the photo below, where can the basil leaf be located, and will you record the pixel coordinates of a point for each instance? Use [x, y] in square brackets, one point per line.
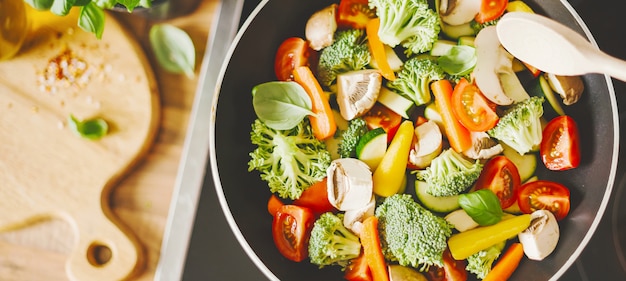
[129, 4]
[91, 19]
[42, 5]
[460, 60]
[62, 7]
[482, 205]
[91, 129]
[281, 105]
[173, 49]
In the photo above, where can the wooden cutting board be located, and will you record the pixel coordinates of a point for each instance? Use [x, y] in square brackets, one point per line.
[47, 171]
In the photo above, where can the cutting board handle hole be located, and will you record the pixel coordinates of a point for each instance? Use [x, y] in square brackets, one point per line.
[98, 254]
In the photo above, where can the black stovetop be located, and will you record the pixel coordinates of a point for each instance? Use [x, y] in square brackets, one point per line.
[214, 253]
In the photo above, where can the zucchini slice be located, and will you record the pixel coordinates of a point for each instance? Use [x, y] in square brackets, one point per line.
[444, 204]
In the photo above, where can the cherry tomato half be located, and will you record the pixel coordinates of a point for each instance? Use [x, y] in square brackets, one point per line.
[291, 229]
[452, 270]
[291, 53]
[491, 10]
[560, 145]
[315, 197]
[354, 13]
[501, 176]
[472, 109]
[544, 195]
[358, 270]
[381, 116]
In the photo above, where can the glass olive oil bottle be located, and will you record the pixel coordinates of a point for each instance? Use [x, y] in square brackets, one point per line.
[13, 27]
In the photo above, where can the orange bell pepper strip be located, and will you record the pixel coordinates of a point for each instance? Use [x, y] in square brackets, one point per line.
[323, 120]
[372, 249]
[458, 136]
[506, 265]
[377, 48]
[358, 270]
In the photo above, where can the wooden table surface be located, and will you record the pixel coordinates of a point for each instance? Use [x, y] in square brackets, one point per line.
[142, 198]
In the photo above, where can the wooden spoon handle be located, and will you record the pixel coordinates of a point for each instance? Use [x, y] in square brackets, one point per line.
[611, 66]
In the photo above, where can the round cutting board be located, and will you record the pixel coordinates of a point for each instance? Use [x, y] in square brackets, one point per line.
[48, 171]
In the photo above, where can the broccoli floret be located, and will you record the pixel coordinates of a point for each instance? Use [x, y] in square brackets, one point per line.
[414, 79]
[481, 263]
[449, 174]
[331, 242]
[479, 26]
[520, 126]
[289, 160]
[348, 52]
[410, 234]
[350, 137]
[410, 23]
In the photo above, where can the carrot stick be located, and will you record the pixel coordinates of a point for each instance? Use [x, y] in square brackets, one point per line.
[458, 136]
[273, 204]
[372, 249]
[377, 48]
[507, 264]
[323, 122]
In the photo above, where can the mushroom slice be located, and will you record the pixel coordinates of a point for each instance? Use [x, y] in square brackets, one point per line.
[353, 219]
[357, 92]
[483, 146]
[541, 237]
[320, 28]
[570, 88]
[349, 184]
[427, 146]
[457, 12]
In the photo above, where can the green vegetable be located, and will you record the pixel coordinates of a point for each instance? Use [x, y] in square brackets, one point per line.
[479, 26]
[441, 204]
[62, 7]
[289, 160]
[459, 60]
[348, 52]
[413, 80]
[482, 205]
[410, 23]
[520, 126]
[449, 174]
[350, 137]
[281, 105]
[173, 49]
[91, 129]
[331, 242]
[91, 19]
[410, 234]
[481, 263]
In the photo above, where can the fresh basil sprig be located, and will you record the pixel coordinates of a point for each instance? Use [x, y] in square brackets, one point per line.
[459, 60]
[483, 206]
[91, 129]
[281, 105]
[173, 49]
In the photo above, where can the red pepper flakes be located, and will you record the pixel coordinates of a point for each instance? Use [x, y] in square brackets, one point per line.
[65, 70]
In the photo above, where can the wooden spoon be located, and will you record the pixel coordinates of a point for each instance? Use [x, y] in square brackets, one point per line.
[553, 47]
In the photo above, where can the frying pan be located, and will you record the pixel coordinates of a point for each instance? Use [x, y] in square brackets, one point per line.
[243, 195]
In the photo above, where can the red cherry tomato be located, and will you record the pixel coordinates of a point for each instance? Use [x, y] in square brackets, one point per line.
[491, 10]
[501, 176]
[291, 53]
[544, 195]
[358, 270]
[291, 229]
[354, 13]
[380, 116]
[560, 148]
[452, 270]
[316, 198]
[472, 109]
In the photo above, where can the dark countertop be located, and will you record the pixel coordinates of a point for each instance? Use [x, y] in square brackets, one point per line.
[214, 253]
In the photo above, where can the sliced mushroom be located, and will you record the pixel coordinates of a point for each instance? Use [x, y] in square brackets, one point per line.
[320, 28]
[541, 237]
[456, 12]
[483, 146]
[570, 88]
[349, 184]
[353, 219]
[357, 92]
[494, 73]
[428, 144]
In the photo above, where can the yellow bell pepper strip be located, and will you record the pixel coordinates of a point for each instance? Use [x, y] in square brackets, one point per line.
[388, 176]
[372, 249]
[377, 48]
[323, 122]
[465, 244]
[506, 265]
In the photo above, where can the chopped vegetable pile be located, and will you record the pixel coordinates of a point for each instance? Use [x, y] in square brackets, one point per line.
[408, 144]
